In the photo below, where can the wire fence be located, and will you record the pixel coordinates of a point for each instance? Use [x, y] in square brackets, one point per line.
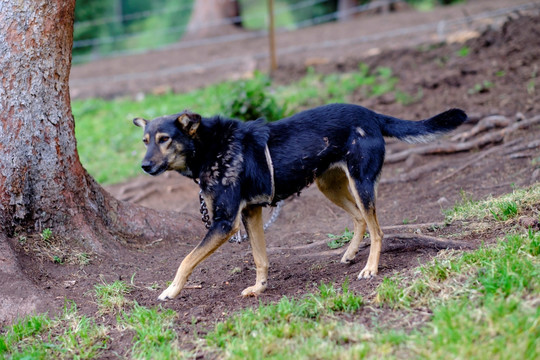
[438, 27]
[260, 17]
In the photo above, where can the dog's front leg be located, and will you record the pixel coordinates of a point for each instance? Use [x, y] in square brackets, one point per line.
[218, 234]
[254, 226]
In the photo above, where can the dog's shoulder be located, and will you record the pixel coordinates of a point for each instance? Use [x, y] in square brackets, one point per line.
[236, 157]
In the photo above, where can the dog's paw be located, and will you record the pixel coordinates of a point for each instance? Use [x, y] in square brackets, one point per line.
[367, 273]
[170, 293]
[347, 258]
[254, 290]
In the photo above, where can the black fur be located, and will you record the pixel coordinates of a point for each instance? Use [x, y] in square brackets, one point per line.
[302, 147]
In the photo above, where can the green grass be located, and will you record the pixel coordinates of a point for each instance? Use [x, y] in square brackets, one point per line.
[255, 14]
[505, 206]
[480, 87]
[155, 337]
[463, 51]
[484, 302]
[291, 328]
[110, 146]
[481, 304]
[340, 240]
[68, 336]
[111, 297]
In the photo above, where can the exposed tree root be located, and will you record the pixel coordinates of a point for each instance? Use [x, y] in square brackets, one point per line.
[449, 148]
[487, 123]
[412, 175]
[385, 229]
[475, 158]
[401, 243]
[411, 242]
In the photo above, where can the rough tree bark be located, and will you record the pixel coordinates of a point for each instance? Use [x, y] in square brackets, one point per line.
[213, 17]
[42, 182]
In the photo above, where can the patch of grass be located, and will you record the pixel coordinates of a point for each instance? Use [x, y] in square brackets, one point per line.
[505, 211]
[46, 234]
[340, 240]
[480, 87]
[463, 51]
[83, 258]
[317, 89]
[252, 99]
[484, 302]
[155, 337]
[111, 297]
[254, 14]
[50, 247]
[304, 328]
[511, 203]
[508, 268]
[408, 99]
[69, 336]
[481, 304]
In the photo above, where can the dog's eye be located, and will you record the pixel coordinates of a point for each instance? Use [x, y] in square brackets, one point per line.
[163, 139]
[145, 141]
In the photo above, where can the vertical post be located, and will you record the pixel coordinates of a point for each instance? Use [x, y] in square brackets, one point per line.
[271, 36]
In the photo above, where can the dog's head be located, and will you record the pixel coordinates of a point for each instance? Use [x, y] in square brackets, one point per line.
[169, 141]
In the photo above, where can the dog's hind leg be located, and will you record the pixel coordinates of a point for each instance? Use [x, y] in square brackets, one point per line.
[364, 194]
[364, 163]
[254, 226]
[334, 184]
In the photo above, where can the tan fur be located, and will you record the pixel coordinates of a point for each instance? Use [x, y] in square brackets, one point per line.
[205, 248]
[337, 185]
[188, 124]
[254, 227]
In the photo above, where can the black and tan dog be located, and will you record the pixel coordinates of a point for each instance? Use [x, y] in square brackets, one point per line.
[243, 166]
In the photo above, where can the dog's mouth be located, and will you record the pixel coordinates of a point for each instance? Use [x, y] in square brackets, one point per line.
[154, 170]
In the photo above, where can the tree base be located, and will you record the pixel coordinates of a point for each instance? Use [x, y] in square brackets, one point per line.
[18, 295]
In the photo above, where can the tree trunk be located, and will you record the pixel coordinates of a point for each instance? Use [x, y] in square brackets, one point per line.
[42, 182]
[214, 17]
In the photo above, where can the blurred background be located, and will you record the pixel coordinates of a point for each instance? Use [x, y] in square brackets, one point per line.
[134, 58]
[115, 27]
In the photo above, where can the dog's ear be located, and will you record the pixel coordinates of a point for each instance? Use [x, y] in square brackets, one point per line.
[189, 122]
[140, 122]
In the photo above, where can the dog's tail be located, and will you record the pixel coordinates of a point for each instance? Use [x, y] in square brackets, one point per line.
[423, 131]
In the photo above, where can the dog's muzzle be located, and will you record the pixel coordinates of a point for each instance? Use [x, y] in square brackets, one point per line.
[152, 169]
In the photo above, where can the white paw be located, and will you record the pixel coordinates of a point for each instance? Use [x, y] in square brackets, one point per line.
[367, 273]
[254, 290]
[170, 293]
[346, 259]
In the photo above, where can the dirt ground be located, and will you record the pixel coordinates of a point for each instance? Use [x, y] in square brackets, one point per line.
[497, 76]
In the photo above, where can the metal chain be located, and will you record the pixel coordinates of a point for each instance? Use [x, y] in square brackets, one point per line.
[238, 237]
[204, 212]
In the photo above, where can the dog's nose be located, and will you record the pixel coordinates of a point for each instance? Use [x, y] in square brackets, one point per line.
[146, 166]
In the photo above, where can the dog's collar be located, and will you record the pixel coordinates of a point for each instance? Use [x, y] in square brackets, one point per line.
[271, 170]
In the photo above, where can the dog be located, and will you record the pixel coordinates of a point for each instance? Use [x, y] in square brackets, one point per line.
[243, 166]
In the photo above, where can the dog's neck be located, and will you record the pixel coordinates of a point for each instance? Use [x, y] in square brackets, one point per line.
[210, 139]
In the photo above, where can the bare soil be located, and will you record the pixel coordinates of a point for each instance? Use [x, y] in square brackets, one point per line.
[507, 57]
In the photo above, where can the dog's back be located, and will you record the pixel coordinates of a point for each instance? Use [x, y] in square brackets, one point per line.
[306, 144]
